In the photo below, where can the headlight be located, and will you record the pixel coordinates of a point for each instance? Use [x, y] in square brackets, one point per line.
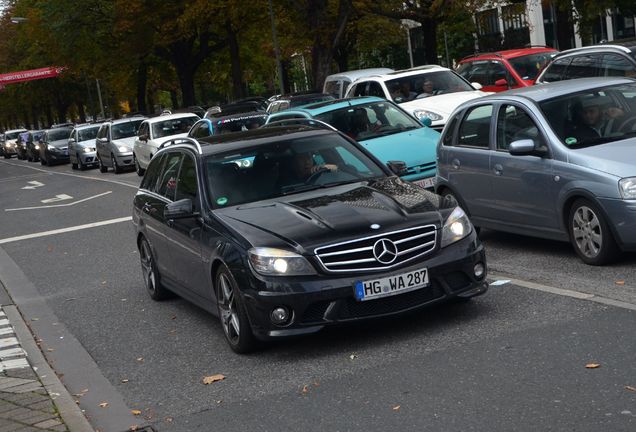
[627, 186]
[51, 148]
[89, 149]
[8, 145]
[123, 149]
[419, 114]
[456, 227]
[37, 147]
[277, 262]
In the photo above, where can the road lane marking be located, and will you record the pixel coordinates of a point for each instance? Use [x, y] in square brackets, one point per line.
[61, 197]
[59, 205]
[568, 293]
[65, 230]
[33, 185]
[15, 178]
[73, 175]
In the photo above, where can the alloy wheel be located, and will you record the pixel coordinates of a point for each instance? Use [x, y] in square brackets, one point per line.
[147, 267]
[587, 232]
[228, 310]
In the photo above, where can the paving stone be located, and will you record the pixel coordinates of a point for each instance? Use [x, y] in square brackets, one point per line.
[60, 428]
[33, 417]
[23, 398]
[48, 424]
[25, 388]
[14, 413]
[6, 406]
[12, 426]
[43, 405]
[7, 383]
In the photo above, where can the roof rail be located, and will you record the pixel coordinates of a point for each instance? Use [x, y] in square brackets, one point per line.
[319, 124]
[599, 47]
[184, 140]
[480, 54]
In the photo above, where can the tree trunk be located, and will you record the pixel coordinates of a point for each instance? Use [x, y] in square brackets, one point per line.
[321, 58]
[142, 83]
[429, 31]
[49, 115]
[235, 60]
[80, 110]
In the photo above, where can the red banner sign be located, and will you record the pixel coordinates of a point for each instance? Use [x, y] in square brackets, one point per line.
[30, 75]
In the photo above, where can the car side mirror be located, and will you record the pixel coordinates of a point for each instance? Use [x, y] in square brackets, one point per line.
[501, 82]
[397, 167]
[426, 121]
[143, 137]
[181, 209]
[526, 147]
[476, 85]
[71, 140]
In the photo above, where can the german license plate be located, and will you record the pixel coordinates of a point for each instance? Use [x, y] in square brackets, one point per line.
[391, 285]
[426, 183]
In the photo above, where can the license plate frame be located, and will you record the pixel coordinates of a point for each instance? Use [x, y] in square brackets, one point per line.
[426, 183]
[388, 286]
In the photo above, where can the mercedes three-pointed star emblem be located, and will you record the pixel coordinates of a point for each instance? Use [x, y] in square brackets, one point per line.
[385, 251]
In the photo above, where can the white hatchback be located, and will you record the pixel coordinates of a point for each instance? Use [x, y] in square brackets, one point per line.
[426, 92]
[153, 132]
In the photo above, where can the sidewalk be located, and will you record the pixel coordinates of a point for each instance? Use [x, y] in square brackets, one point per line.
[25, 405]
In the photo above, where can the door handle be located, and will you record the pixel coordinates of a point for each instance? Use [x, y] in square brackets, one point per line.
[455, 163]
[498, 168]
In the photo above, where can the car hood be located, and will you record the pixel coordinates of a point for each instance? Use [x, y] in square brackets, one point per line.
[128, 142]
[616, 158]
[59, 143]
[416, 147]
[86, 143]
[443, 104]
[307, 220]
[159, 141]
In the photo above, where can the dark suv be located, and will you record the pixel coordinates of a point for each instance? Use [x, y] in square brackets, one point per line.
[502, 70]
[282, 231]
[610, 59]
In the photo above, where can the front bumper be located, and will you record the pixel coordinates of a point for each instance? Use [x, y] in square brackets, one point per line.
[124, 159]
[9, 151]
[89, 158]
[621, 216]
[57, 156]
[319, 301]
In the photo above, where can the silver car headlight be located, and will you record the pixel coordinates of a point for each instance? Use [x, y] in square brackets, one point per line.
[51, 148]
[123, 149]
[37, 147]
[627, 187]
[278, 262]
[420, 114]
[456, 227]
[89, 149]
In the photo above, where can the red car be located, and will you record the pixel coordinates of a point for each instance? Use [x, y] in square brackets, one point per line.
[503, 70]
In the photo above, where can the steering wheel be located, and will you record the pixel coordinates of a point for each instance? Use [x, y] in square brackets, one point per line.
[628, 125]
[312, 178]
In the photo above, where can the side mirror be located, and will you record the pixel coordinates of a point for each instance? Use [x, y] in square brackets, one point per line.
[526, 147]
[397, 167]
[71, 140]
[143, 137]
[181, 209]
[426, 121]
[501, 82]
[476, 85]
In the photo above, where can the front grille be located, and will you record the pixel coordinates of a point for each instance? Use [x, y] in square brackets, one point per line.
[357, 309]
[315, 312]
[416, 169]
[358, 255]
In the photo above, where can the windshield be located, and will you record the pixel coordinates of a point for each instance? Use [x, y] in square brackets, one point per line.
[238, 124]
[125, 130]
[529, 66]
[309, 99]
[285, 167]
[592, 117]
[370, 120]
[173, 126]
[59, 134]
[11, 135]
[426, 84]
[87, 134]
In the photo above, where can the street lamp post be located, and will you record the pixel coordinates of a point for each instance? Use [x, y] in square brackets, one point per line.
[408, 25]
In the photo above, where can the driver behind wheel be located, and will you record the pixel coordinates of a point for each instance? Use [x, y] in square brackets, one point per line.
[303, 167]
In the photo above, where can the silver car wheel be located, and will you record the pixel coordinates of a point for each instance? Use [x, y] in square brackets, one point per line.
[586, 229]
[147, 267]
[228, 310]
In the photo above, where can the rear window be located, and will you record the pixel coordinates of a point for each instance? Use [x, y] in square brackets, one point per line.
[529, 66]
[173, 126]
[59, 134]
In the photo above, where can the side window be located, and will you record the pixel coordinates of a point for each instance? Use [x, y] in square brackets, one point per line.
[360, 89]
[476, 72]
[74, 135]
[283, 106]
[202, 130]
[101, 132]
[616, 65]
[583, 66]
[556, 70]
[375, 89]
[152, 174]
[168, 182]
[449, 131]
[474, 130]
[497, 71]
[187, 185]
[143, 129]
[513, 124]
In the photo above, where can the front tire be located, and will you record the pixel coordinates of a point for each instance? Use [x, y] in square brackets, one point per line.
[232, 314]
[116, 167]
[138, 169]
[102, 168]
[152, 279]
[80, 164]
[590, 234]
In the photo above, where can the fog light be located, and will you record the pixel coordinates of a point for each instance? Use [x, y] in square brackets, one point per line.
[280, 315]
[479, 270]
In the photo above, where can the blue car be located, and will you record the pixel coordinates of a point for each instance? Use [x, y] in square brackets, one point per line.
[386, 130]
[226, 124]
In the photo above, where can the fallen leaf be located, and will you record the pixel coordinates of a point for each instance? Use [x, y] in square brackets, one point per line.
[316, 384]
[168, 419]
[35, 319]
[103, 404]
[305, 389]
[49, 248]
[140, 359]
[174, 317]
[592, 365]
[620, 282]
[136, 412]
[353, 356]
[219, 402]
[84, 391]
[134, 428]
[103, 282]
[213, 378]
[630, 388]
[396, 408]
[50, 349]
[173, 331]
[124, 381]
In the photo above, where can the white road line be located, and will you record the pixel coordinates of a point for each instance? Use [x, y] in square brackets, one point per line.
[11, 352]
[568, 293]
[6, 331]
[65, 230]
[59, 205]
[9, 342]
[20, 177]
[13, 364]
[73, 175]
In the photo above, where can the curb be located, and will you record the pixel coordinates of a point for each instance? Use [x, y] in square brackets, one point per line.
[70, 413]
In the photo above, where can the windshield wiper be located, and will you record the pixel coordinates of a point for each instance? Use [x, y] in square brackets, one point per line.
[304, 188]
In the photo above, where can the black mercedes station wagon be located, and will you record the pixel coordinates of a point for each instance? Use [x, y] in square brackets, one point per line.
[284, 230]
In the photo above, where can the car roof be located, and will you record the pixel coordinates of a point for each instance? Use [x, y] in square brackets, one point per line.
[626, 46]
[87, 126]
[508, 54]
[358, 73]
[14, 130]
[331, 105]
[235, 141]
[162, 118]
[237, 116]
[126, 120]
[542, 92]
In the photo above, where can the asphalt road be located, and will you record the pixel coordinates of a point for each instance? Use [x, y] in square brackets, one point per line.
[513, 359]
